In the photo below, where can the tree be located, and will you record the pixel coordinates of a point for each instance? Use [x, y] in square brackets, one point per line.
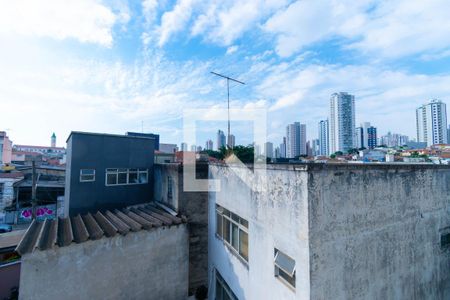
[338, 153]
[352, 151]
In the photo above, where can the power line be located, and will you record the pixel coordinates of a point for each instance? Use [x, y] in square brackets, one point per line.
[228, 97]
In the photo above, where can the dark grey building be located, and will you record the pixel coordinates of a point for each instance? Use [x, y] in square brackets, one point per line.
[107, 171]
[149, 135]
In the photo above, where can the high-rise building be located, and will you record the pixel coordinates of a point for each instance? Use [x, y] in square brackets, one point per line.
[193, 148]
[231, 141]
[209, 145]
[448, 135]
[366, 136]
[393, 140]
[324, 138]
[221, 140]
[295, 140]
[184, 147]
[53, 140]
[431, 122]
[283, 148]
[342, 122]
[315, 147]
[268, 150]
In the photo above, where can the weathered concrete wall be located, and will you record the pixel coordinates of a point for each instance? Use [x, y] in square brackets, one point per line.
[141, 265]
[193, 205]
[277, 218]
[375, 231]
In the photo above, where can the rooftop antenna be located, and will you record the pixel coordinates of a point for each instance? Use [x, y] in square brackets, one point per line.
[228, 97]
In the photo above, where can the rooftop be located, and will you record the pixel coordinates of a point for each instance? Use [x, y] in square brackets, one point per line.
[109, 134]
[39, 147]
[48, 234]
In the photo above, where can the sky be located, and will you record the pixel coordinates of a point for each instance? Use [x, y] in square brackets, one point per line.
[117, 66]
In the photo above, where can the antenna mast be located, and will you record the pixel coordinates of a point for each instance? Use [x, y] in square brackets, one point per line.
[228, 97]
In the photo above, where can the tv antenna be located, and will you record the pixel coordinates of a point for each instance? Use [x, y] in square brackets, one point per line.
[228, 97]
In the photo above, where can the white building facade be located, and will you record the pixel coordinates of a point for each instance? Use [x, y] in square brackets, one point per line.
[295, 140]
[431, 121]
[342, 122]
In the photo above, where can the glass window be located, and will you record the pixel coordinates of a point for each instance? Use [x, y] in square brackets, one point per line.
[243, 244]
[235, 236]
[169, 187]
[219, 224]
[226, 229]
[111, 178]
[143, 176]
[87, 175]
[132, 177]
[234, 230]
[223, 290]
[122, 178]
[284, 268]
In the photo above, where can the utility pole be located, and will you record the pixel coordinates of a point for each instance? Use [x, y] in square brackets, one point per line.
[33, 189]
[228, 98]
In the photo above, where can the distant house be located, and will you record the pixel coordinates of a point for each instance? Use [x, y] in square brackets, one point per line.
[107, 171]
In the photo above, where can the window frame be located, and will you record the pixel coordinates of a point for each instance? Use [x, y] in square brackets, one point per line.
[279, 271]
[127, 171]
[220, 281]
[232, 219]
[87, 180]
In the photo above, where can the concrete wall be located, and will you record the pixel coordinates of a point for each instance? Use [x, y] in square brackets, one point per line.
[140, 265]
[277, 219]
[99, 152]
[193, 205]
[375, 231]
[368, 231]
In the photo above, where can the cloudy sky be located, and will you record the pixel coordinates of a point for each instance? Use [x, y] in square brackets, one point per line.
[116, 66]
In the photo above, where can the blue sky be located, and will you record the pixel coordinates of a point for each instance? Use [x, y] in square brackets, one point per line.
[113, 66]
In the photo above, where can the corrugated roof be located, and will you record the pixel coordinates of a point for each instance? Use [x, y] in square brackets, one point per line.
[61, 232]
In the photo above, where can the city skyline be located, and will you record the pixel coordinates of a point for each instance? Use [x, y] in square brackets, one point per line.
[136, 66]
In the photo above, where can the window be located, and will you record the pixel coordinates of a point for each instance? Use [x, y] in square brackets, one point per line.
[2, 185]
[445, 240]
[169, 188]
[233, 230]
[284, 268]
[87, 175]
[223, 290]
[124, 176]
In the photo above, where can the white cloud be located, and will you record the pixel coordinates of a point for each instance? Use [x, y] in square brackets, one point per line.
[232, 49]
[385, 29]
[84, 20]
[175, 20]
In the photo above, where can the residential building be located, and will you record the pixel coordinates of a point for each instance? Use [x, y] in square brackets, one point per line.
[268, 150]
[199, 149]
[221, 140]
[231, 142]
[106, 171]
[393, 140]
[342, 122]
[139, 252]
[431, 121]
[5, 148]
[168, 148]
[366, 136]
[171, 191]
[209, 145]
[283, 148]
[44, 150]
[295, 140]
[330, 231]
[324, 138]
[193, 148]
[448, 135]
[315, 147]
[184, 147]
[7, 193]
